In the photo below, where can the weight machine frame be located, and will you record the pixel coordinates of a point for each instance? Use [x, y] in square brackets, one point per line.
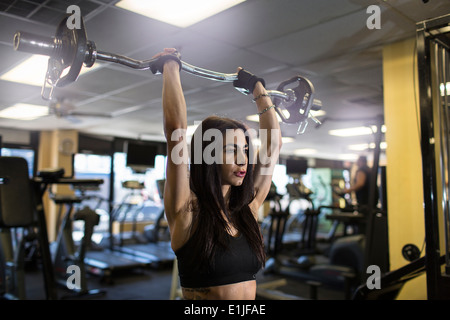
[433, 58]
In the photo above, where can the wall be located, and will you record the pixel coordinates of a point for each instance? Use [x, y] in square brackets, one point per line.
[404, 166]
[15, 136]
[55, 151]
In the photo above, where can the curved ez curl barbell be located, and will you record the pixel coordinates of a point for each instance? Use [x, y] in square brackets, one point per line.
[69, 49]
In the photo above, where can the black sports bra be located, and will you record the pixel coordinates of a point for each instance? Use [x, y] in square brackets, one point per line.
[236, 264]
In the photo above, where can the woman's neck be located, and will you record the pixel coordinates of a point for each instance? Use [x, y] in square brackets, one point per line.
[226, 188]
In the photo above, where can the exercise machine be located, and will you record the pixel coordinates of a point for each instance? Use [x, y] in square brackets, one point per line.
[103, 263]
[341, 269]
[288, 263]
[109, 261]
[22, 207]
[12, 260]
[69, 50]
[158, 250]
[345, 265]
[65, 254]
[296, 233]
[433, 56]
[348, 215]
[307, 247]
[127, 210]
[391, 283]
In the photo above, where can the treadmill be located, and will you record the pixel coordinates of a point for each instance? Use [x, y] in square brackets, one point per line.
[105, 262]
[159, 251]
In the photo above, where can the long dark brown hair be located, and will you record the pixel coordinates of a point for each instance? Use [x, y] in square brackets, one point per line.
[210, 227]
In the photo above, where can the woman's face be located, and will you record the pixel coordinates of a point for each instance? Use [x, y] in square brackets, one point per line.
[235, 160]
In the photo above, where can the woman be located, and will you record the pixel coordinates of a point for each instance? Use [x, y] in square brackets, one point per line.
[212, 210]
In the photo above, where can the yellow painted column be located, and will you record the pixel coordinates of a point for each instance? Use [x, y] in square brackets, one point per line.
[56, 149]
[404, 161]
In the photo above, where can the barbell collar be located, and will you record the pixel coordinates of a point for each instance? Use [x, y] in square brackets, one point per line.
[36, 44]
[91, 54]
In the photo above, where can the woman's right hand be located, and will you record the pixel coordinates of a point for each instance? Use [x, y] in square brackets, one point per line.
[165, 52]
[164, 57]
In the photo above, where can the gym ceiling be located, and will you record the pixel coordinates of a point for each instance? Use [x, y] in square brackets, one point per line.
[326, 41]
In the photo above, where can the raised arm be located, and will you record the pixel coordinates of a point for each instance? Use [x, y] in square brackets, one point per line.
[176, 190]
[270, 135]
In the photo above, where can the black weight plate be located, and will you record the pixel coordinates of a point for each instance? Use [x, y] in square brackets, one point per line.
[73, 51]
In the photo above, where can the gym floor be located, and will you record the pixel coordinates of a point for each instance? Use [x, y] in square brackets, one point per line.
[151, 284]
[139, 284]
[155, 284]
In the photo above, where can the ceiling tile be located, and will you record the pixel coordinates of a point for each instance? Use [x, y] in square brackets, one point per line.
[104, 80]
[119, 31]
[11, 93]
[254, 22]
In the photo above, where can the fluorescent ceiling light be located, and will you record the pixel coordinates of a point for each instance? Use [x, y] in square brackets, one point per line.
[365, 146]
[22, 111]
[304, 152]
[356, 131]
[181, 13]
[32, 71]
[287, 139]
[349, 132]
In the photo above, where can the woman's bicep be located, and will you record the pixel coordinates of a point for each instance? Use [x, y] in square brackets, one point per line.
[176, 189]
[263, 181]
